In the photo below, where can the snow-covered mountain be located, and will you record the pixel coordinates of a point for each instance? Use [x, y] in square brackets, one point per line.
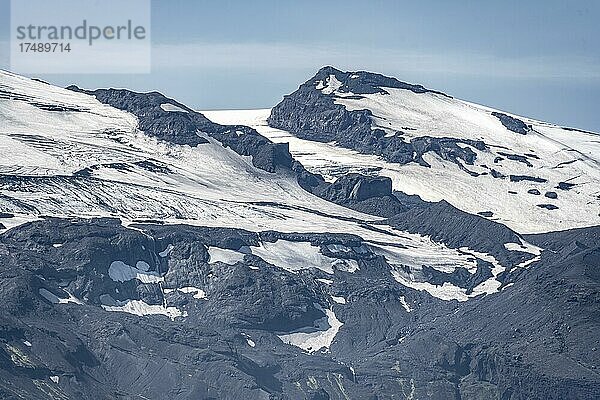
[152, 251]
[529, 175]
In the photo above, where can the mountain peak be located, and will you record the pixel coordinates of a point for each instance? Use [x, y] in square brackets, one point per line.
[362, 82]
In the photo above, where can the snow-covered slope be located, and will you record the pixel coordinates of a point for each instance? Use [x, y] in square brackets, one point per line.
[232, 272]
[530, 175]
[78, 157]
[95, 161]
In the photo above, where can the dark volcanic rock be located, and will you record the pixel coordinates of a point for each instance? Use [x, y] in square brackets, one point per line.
[445, 223]
[532, 340]
[189, 127]
[551, 195]
[511, 123]
[174, 127]
[548, 206]
[496, 174]
[516, 157]
[565, 185]
[534, 192]
[368, 194]
[519, 178]
[313, 115]
[358, 187]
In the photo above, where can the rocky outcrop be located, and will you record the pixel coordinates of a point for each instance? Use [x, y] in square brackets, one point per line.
[520, 178]
[511, 123]
[355, 187]
[226, 343]
[445, 223]
[171, 121]
[311, 114]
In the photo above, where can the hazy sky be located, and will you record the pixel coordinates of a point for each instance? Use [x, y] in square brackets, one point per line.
[535, 58]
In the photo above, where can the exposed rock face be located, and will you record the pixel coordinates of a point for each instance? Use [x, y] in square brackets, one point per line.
[311, 114]
[225, 345]
[519, 178]
[511, 123]
[565, 186]
[175, 127]
[445, 223]
[368, 194]
[548, 206]
[188, 127]
[358, 187]
[438, 304]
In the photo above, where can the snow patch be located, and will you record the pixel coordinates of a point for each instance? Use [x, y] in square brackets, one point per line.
[198, 293]
[524, 247]
[325, 281]
[15, 221]
[249, 340]
[406, 306]
[446, 260]
[421, 250]
[332, 84]
[339, 248]
[121, 272]
[27, 343]
[226, 256]
[318, 337]
[339, 300]
[346, 265]
[55, 378]
[52, 298]
[166, 251]
[172, 108]
[141, 308]
[295, 256]
[527, 263]
[447, 291]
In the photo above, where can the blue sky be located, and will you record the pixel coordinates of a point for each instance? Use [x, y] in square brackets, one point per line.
[535, 58]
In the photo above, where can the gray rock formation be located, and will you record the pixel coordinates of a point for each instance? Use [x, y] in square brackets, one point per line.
[226, 345]
[311, 114]
[511, 123]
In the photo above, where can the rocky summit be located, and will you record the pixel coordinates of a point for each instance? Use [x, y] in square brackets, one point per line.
[366, 238]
